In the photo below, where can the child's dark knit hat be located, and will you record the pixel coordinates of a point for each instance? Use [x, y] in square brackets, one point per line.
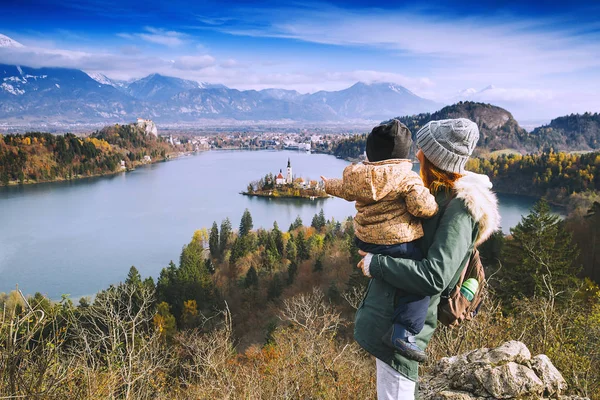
[387, 141]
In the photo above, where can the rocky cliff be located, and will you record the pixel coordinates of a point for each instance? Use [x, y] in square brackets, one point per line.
[498, 129]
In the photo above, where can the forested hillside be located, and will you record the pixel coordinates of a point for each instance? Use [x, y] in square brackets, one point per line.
[560, 177]
[500, 131]
[268, 314]
[571, 132]
[41, 157]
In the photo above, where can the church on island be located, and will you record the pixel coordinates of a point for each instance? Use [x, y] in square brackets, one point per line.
[286, 186]
[280, 180]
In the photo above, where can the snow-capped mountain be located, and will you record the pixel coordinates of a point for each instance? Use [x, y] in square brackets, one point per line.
[59, 95]
[71, 95]
[376, 101]
[5, 41]
[105, 80]
[158, 87]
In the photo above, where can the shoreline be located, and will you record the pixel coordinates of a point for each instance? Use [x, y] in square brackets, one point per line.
[171, 157]
[175, 156]
[270, 196]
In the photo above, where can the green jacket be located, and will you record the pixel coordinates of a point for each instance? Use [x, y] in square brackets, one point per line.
[468, 220]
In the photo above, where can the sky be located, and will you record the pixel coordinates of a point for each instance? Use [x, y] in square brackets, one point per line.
[542, 60]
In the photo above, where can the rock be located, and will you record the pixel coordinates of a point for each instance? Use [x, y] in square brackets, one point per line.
[554, 383]
[147, 126]
[507, 381]
[513, 351]
[505, 372]
[453, 395]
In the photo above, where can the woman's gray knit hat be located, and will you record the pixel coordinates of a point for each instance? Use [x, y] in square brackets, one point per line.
[448, 143]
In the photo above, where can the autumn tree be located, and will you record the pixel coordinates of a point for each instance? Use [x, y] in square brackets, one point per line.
[164, 321]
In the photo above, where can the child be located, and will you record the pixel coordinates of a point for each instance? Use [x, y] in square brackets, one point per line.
[390, 199]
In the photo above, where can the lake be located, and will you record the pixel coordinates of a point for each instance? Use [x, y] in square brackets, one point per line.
[79, 237]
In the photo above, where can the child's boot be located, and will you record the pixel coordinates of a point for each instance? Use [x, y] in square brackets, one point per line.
[404, 342]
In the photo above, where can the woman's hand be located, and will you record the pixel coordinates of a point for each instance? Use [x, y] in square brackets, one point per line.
[364, 263]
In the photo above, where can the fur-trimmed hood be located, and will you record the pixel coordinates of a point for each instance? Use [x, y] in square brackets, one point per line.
[475, 191]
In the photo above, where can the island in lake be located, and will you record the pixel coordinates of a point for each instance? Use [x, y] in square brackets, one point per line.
[286, 187]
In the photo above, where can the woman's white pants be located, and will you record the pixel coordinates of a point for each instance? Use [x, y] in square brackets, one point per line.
[391, 385]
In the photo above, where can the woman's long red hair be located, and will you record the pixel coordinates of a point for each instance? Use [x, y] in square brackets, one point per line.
[436, 179]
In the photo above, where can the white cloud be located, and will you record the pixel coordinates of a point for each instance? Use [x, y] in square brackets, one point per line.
[157, 36]
[230, 63]
[454, 50]
[194, 62]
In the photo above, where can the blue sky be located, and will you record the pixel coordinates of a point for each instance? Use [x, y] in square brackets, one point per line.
[543, 59]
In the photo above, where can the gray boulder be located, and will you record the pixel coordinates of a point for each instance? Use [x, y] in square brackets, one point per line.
[505, 372]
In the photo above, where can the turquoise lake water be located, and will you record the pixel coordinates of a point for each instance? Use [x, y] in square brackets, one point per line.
[79, 237]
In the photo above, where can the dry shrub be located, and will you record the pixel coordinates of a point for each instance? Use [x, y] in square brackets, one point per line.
[304, 360]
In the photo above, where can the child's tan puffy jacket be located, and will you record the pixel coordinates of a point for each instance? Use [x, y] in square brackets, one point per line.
[390, 199]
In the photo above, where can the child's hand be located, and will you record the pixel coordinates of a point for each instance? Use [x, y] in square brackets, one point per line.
[323, 178]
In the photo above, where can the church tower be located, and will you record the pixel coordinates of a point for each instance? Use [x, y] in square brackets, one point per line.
[288, 178]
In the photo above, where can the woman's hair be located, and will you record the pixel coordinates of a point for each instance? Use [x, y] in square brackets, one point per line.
[435, 178]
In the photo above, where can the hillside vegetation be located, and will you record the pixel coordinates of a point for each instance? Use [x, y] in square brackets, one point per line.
[267, 314]
[560, 177]
[571, 132]
[499, 131]
[42, 157]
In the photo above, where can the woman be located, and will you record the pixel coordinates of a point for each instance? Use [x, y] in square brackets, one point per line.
[468, 216]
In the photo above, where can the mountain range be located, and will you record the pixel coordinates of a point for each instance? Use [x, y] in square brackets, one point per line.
[64, 95]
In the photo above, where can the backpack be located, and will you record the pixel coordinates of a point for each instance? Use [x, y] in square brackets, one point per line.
[454, 308]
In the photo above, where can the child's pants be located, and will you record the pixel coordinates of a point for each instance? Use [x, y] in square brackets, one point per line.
[411, 309]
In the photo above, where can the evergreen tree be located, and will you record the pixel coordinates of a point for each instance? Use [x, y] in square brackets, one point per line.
[210, 267]
[246, 223]
[296, 224]
[322, 220]
[251, 278]
[315, 222]
[275, 288]
[318, 267]
[166, 285]
[133, 277]
[213, 241]
[302, 247]
[224, 236]
[149, 283]
[278, 237]
[591, 258]
[540, 258]
[292, 271]
[291, 250]
[333, 293]
[271, 246]
[318, 221]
